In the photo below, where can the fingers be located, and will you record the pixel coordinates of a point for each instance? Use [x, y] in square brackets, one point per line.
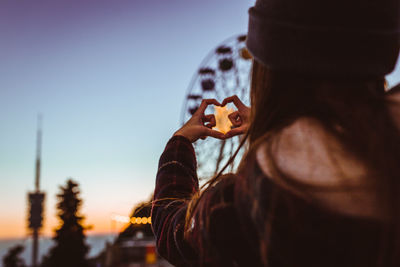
[210, 119]
[235, 119]
[205, 103]
[235, 131]
[236, 101]
[215, 134]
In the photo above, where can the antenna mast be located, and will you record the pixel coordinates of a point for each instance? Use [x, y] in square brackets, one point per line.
[36, 199]
[38, 153]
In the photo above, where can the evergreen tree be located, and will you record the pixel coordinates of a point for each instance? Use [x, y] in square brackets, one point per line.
[12, 258]
[70, 249]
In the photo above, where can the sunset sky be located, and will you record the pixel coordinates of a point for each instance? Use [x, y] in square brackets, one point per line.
[110, 79]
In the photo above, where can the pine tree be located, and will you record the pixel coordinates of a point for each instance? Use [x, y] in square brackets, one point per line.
[70, 249]
[12, 258]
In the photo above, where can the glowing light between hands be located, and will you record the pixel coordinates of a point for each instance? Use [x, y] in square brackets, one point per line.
[223, 124]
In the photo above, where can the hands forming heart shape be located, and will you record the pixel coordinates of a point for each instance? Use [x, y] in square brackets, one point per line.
[201, 125]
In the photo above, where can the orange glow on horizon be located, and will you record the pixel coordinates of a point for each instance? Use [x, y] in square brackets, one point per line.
[14, 228]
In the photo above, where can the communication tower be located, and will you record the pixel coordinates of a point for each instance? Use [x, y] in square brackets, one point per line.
[36, 199]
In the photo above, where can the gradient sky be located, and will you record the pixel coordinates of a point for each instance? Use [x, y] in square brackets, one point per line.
[109, 78]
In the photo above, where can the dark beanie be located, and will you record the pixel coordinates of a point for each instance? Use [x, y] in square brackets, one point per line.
[332, 37]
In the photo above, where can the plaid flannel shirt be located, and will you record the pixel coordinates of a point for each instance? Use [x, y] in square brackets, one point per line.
[215, 234]
[176, 181]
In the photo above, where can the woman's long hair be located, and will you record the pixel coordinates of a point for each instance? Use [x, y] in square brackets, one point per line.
[352, 109]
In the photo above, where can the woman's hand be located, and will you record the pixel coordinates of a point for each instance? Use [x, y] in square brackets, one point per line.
[240, 119]
[196, 128]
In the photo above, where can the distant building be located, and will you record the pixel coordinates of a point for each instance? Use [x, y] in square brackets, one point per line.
[135, 246]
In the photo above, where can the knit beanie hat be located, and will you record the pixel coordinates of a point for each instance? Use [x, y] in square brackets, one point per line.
[330, 37]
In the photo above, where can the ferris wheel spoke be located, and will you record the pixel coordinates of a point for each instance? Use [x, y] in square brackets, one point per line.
[231, 151]
[220, 156]
[224, 86]
[237, 76]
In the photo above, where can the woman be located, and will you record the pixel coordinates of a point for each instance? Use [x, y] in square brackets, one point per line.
[320, 182]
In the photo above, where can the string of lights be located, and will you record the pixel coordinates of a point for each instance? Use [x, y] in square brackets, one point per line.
[132, 220]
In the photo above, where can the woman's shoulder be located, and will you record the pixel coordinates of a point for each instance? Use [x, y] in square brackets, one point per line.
[305, 150]
[306, 153]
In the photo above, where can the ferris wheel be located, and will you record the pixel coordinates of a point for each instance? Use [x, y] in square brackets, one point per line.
[224, 72]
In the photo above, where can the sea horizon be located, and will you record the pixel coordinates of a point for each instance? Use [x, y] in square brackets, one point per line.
[96, 243]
